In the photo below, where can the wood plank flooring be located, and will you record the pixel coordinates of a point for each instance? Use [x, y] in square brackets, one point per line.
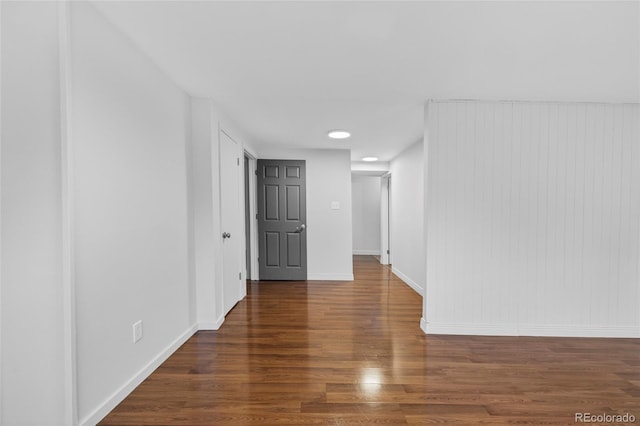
[352, 353]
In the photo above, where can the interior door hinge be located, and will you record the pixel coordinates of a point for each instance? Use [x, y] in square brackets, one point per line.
[256, 215]
[388, 252]
[239, 275]
[256, 172]
[238, 160]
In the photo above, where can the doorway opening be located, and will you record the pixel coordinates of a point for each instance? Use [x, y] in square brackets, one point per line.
[250, 250]
[385, 220]
[366, 214]
[247, 218]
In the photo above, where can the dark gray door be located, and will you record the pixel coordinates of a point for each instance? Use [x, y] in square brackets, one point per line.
[282, 215]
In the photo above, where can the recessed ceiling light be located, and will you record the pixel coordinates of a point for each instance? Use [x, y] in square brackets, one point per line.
[370, 159]
[338, 134]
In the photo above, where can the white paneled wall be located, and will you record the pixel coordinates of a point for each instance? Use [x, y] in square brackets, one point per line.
[533, 215]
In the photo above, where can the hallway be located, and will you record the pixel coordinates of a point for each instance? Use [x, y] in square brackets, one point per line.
[352, 353]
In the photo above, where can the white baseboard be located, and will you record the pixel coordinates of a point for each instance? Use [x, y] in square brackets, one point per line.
[535, 330]
[118, 396]
[330, 277]
[366, 252]
[577, 331]
[469, 329]
[408, 281]
[211, 325]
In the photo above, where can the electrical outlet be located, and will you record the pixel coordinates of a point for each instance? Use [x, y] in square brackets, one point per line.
[335, 205]
[137, 331]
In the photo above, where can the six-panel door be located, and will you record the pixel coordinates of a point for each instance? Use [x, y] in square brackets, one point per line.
[282, 220]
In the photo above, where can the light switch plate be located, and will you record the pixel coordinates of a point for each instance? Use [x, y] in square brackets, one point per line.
[137, 331]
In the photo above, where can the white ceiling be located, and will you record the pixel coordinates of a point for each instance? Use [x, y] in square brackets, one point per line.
[287, 72]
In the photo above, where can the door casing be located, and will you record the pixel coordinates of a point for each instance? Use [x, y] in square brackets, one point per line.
[282, 217]
[385, 220]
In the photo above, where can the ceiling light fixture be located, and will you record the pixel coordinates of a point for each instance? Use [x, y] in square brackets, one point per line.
[338, 134]
[370, 159]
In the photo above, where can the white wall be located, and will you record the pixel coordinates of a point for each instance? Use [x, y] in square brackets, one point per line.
[32, 334]
[369, 167]
[407, 218]
[130, 130]
[107, 201]
[205, 217]
[533, 219]
[365, 193]
[329, 238]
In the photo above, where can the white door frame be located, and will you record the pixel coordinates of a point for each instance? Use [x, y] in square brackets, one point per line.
[253, 221]
[385, 219]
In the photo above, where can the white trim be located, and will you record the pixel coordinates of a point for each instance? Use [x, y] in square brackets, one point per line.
[119, 395]
[1, 381]
[385, 220]
[220, 260]
[526, 101]
[253, 204]
[243, 228]
[330, 277]
[637, 155]
[536, 330]
[408, 281]
[470, 329]
[192, 261]
[423, 325]
[577, 331]
[250, 152]
[209, 325]
[217, 211]
[67, 228]
[425, 210]
[366, 252]
[253, 221]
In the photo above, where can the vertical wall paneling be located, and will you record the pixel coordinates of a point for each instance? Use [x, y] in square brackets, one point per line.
[533, 216]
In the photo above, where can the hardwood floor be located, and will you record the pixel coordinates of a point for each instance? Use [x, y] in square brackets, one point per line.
[352, 353]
